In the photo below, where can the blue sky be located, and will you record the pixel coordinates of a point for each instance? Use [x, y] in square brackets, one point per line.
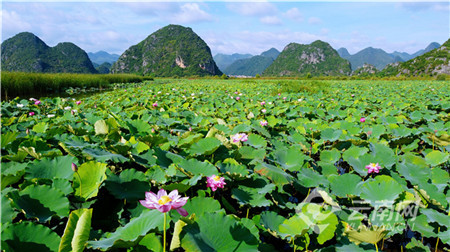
[234, 27]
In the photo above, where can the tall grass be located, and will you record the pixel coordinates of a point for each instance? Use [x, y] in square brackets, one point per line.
[22, 84]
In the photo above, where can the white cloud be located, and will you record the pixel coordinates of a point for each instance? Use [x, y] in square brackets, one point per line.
[12, 23]
[314, 20]
[253, 9]
[424, 6]
[294, 14]
[191, 13]
[270, 20]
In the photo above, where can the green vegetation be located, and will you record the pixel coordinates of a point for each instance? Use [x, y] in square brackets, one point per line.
[249, 67]
[39, 84]
[173, 50]
[373, 56]
[27, 53]
[224, 60]
[326, 166]
[317, 58]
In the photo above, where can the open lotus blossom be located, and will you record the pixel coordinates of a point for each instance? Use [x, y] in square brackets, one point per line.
[362, 119]
[240, 137]
[238, 98]
[263, 123]
[164, 202]
[31, 114]
[215, 182]
[284, 98]
[373, 168]
[33, 99]
[20, 105]
[263, 110]
[155, 104]
[37, 102]
[78, 102]
[263, 103]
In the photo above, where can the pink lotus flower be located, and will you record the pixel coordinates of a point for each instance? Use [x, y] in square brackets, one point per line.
[284, 98]
[362, 119]
[263, 103]
[155, 104]
[238, 98]
[164, 203]
[31, 114]
[74, 167]
[215, 182]
[37, 102]
[263, 123]
[263, 110]
[373, 168]
[353, 95]
[78, 102]
[236, 92]
[240, 137]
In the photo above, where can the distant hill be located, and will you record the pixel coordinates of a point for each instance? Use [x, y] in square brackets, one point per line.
[173, 50]
[101, 57]
[25, 52]
[104, 68]
[366, 70]
[343, 52]
[224, 60]
[317, 58]
[432, 63]
[254, 65]
[271, 53]
[373, 56]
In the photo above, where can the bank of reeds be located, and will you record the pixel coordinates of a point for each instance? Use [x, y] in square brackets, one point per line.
[22, 84]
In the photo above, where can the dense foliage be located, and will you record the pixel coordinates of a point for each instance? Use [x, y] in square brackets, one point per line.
[373, 56]
[27, 53]
[224, 60]
[299, 181]
[19, 83]
[173, 50]
[317, 58]
[249, 67]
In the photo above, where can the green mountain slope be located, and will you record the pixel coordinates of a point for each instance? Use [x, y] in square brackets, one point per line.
[317, 58]
[249, 67]
[271, 53]
[373, 56]
[101, 57]
[432, 63]
[173, 50]
[25, 52]
[224, 60]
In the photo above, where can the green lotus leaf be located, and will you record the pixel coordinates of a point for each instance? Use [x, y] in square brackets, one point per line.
[76, 233]
[205, 146]
[89, 177]
[330, 156]
[417, 246]
[383, 155]
[41, 202]
[445, 236]
[382, 189]
[241, 128]
[218, 232]
[139, 127]
[201, 205]
[275, 174]
[152, 242]
[7, 211]
[359, 164]
[248, 152]
[435, 158]
[390, 220]
[130, 185]
[49, 168]
[330, 134]
[11, 173]
[233, 169]
[364, 234]
[40, 127]
[420, 224]
[191, 138]
[8, 138]
[437, 217]
[431, 194]
[198, 168]
[291, 159]
[26, 235]
[415, 173]
[256, 141]
[310, 178]
[64, 185]
[250, 197]
[271, 221]
[440, 178]
[132, 233]
[344, 185]
[103, 156]
[100, 127]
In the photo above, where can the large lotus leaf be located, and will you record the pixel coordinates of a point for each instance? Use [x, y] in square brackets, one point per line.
[7, 211]
[40, 127]
[310, 178]
[103, 156]
[330, 134]
[91, 174]
[359, 164]
[415, 173]
[364, 234]
[189, 139]
[417, 246]
[28, 236]
[130, 185]
[291, 159]
[250, 197]
[435, 158]
[344, 185]
[271, 221]
[440, 178]
[201, 205]
[275, 174]
[63, 185]
[256, 141]
[77, 231]
[330, 156]
[58, 167]
[381, 190]
[8, 138]
[139, 127]
[248, 152]
[198, 167]
[205, 146]
[420, 224]
[218, 232]
[431, 194]
[152, 242]
[390, 220]
[383, 155]
[101, 128]
[130, 234]
[241, 128]
[233, 169]
[445, 236]
[11, 173]
[437, 217]
[41, 201]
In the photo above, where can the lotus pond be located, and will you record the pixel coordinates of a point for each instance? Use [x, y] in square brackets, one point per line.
[294, 165]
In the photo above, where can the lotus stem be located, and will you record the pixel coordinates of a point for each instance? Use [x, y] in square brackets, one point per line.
[437, 242]
[293, 243]
[376, 247]
[248, 210]
[382, 245]
[164, 233]
[79, 177]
